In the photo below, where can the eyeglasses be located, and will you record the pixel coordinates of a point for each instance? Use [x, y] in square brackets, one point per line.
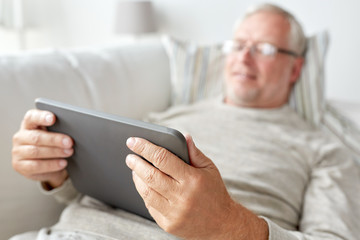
[257, 49]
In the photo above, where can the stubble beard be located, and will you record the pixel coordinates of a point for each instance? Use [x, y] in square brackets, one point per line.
[242, 97]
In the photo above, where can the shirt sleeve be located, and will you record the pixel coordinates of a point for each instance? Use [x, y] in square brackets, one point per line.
[331, 205]
[65, 194]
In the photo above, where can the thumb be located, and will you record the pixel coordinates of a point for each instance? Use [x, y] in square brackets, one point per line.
[197, 158]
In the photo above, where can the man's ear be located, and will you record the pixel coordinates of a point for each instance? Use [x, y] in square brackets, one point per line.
[296, 71]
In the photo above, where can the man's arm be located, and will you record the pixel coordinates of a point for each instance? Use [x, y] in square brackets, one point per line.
[331, 206]
[331, 202]
[190, 201]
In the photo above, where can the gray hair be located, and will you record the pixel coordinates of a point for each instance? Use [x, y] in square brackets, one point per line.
[297, 36]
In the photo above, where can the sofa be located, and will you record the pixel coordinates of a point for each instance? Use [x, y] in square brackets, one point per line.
[129, 79]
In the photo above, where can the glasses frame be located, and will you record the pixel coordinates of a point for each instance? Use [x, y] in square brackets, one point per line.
[229, 45]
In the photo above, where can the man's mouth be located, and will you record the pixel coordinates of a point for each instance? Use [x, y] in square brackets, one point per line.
[244, 76]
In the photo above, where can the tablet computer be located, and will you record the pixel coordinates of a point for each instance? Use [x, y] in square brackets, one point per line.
[97, 168]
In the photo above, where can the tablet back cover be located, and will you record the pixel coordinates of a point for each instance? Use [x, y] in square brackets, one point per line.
[97, 168]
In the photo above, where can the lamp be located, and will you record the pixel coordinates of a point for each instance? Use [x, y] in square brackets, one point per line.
[134, 17]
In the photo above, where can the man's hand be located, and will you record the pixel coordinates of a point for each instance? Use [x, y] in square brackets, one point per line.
[189, 201]
[38, 154]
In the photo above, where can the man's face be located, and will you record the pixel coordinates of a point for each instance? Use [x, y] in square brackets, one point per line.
[254, 80]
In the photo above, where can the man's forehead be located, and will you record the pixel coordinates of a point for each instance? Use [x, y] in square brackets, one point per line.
[264, 26]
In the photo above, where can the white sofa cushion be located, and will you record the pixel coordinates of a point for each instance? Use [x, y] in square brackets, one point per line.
[129, 80]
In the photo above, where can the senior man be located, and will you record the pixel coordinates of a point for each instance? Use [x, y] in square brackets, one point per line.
[271, 176]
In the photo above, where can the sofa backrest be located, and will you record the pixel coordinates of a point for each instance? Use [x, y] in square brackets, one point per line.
[129, 80]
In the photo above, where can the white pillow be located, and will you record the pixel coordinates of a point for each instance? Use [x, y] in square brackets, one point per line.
[308, 95]
[196, 71]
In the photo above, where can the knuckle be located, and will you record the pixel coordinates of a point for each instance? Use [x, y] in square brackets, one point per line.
[33, 167]
[16, 138]
[54, 139]
[33, 151]
[15, 164]
[35, 137]
[14, 152]
[28, 115]
[160, 156]
[146, 193]
[188, 207]
[150, 176]
[147, 205]
[197, 180]
[170, 227]
[140, 148]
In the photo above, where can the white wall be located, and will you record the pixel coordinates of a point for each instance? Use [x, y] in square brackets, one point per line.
[65, 23]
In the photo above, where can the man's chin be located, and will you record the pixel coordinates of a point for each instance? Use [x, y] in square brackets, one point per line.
[242, 98]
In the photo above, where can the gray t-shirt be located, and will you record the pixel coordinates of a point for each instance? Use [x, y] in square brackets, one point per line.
[303, 183]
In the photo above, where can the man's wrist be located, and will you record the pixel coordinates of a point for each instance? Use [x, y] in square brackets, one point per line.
[244, 224]
[46, 186]
[50, 185]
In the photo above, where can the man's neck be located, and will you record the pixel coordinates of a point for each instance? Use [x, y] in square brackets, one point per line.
[243, 104]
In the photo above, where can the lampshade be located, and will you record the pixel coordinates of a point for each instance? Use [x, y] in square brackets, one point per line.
[134, 17]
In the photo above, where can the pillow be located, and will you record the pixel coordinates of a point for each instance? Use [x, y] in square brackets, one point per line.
[308, 95]
[197, 73]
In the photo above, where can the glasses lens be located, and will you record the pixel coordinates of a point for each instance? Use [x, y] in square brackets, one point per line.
[232, 47]
[266, 49]
[228, 47]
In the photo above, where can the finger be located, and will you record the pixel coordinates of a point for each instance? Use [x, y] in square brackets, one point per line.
[42, 138]
[197, 158]
[55, 177]
[159, 157]
[31, 168]
[35, 118]
[38, 152]
[150, 196]
[153, 177]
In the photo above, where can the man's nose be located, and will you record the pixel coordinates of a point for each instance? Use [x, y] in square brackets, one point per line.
[245, 54]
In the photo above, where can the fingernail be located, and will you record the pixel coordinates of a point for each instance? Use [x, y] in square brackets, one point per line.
[63, 163]
[130, 159]
[68, 151]
[49, 118]
[130, 142]
[66, 142]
